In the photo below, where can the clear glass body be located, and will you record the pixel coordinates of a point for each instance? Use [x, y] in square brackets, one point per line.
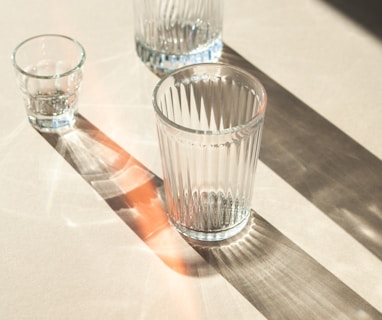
[209, 120]
[49, 75]
[173, 33]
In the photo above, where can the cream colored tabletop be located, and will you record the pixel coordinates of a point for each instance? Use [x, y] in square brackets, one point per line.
[72, 247]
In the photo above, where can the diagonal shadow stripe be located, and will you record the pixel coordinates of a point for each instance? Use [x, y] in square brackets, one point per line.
[366, 13]
[276, 276]
[331, 170]
[280, 279]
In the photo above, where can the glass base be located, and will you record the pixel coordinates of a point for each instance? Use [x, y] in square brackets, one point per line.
[163, 63]
[212, 235]
[53, 124]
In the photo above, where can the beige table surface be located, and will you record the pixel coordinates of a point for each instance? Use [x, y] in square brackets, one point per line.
[66, 254]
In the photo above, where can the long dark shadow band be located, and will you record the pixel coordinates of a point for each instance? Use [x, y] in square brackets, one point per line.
[274, 274]
[281, 280]
[367, 13]
[271, 272]
[331, 170]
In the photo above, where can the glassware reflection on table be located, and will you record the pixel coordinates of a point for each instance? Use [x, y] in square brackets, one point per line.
[209, 120]
[172, 33]
[49, 74]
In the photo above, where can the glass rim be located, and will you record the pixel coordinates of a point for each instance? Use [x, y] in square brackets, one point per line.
[253, 121]
[57, 75]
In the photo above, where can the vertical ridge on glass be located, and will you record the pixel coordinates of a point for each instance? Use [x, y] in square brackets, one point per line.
[173, 33]
[209, 119]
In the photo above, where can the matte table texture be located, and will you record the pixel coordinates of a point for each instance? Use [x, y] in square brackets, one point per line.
[83, 227]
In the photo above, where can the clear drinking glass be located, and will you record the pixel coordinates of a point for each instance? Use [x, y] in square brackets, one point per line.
[173, 33]
[49, 74]
[209, 120]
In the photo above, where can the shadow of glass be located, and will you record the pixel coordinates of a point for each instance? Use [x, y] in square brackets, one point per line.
[276, 276]
[335, 173]
[132, 191]
[280, 279]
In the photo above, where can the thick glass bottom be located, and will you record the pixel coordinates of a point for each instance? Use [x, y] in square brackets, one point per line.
[217, 235]
[162, 62]
[52, 123]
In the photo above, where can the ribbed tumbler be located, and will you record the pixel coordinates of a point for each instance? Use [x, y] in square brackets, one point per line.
[209, 122]
[172, 33]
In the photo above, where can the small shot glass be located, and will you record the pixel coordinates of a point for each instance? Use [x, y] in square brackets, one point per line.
[49, 74]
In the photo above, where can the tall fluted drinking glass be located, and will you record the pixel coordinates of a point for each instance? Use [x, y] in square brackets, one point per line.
[173, 33]
[209, 120]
